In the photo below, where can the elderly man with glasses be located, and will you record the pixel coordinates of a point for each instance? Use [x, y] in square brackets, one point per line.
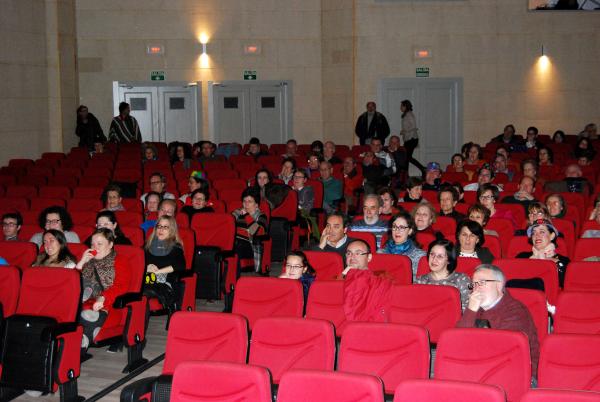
[491, 305]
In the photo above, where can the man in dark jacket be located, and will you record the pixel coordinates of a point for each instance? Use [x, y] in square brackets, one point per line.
[371, 124]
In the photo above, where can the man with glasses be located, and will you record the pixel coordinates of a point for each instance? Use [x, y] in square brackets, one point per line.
[358, 256]
[158, 183]
[11, 224]
[371, 221]
[491, 304]
[166, 207]
[485, 175]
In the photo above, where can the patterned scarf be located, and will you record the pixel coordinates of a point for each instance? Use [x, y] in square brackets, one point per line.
[548, 252]
[100, 272]
[393, 248]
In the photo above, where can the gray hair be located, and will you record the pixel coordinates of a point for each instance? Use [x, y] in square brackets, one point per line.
[373, 197]
[496, 271]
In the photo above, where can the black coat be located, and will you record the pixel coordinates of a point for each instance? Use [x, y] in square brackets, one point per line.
[379, 127]
[89, 132]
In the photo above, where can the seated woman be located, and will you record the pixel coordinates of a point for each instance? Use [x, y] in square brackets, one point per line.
[414, 190]
[488, 194]
[182, 153]
[558, 137]
[481, 215]
[557, 208]
[545, 156]
[108, 220]
[469, 242]
[402, 240]
[442, 264]
[164, 260]
[105, 276]
[200, 199]
[150, 153]
[262, 181]
[288, 167]
[196, 180]
[424, 216]
[535, 211]
[542, 236]
[111, 198]
[388, 201]
[56, 252]
[250, 222]
[58, 218]
[457, 164]
[594, 216]
[151, 203]
[474, 155]
[583, 147]
[297, 267]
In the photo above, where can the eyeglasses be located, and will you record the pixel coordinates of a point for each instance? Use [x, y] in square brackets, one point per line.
[298, 177]
[290, 267]
[156, 182]
[163, 227]
[399, 228]
[52, 221]
[9, 224]
[486, 197]
[356, 253]
[437, 256]
[480, 283]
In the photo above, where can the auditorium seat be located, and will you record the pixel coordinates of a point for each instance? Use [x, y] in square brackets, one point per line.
[84, 205]
[62, 192]
[397, 266]
[447, 391]
[19, 253]
[582, 276]
[577, 313]
[585, 248]
[559, 395]
[10, 282]
[525, 268]
[328, 265]
[535, 301]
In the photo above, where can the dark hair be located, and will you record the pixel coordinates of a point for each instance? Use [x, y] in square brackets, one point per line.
[16, 216]
[112, 217]
[64, 253]
[450, 252]
[475, 228]
[532, 128]
[511, 127]
[316, 155]
[123, 106]
[291, 141]
[267, 171]
[187, 151]
[107, 233]
[409, 221]
[251, 192]
[558, 133]
[344, 217]
[504, 147]
[291, 160]
[201, 191]
[550, 154]
[110, 187]
[388, 190]
[254, 141]
[458, 187]
[531, 161]
[479, 150]
[414, 182]
[163, 178]
[486, 166]
[580, 140]
[65, 218]
[317, 144]
[489, 186]
[408, 105]
[481, 209]
[149, 193]
[297, 253]
[448, 189]
[302, 172]
[461, 156]
[363, 242]
[465, 148]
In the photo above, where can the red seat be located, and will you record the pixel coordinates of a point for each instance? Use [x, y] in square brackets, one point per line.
[10, 281]
[11, 204]
[127, 218]
[447, 391]
[582, 276]
[424, 239]
[397, 266]
[38, 203]
[62, 192]
[570, 361]
[33, 180]
[83, 218]
[392, 352]
[326, 301]
[445, 225]
[134, 233]
[466, 265]
[517, 210]
[505, 230]
[84, 205]
[27, 231]
[284, 343]
[366, 236]
[24, 191]
[519, 268]
[486, 356]
[559, 395]
[577, 313]
[88, 192]
[230, 194]
[566, 228]
[234, 183]
[267, 297]
[19, 253]
[585, 248]
[132, 205]
[69, 181]
[323, 386]
[494, 244]
[40, 290]
[535, 301]
[328, 265]
[211, 381]
[434, 307]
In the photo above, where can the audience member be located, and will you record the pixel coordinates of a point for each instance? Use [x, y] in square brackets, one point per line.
[508, 137]
[371, 124]
[296, 267]
[291, 148]
[11, 225]
[254, 149]
[250, 222]
[590, 131]
[167, 207]
[433, 176]
[481, 215]
[329, 153]
[112, 199]
[424, 216]
[388, 201]
[152, 201]
[334, 237]
[414, 190]
[400, 160]
[108, 220]
[558, 137]
[200, 198]
[196, 181]
[448, 198]
[500, 166]
[385, 158]
[306, 194]
[55, 253]
[373, 173]
[402, 240]
[371, 221]
[158, 183]
[531, 139]
[583, 147]
[557, 208]
[573, 182]
[88, 129]
[288, 167]
[57, 218]
[317, 147]
[475, 155]
[314, 161]
[182, 153]
[525, 196]
[485, 175]
[332, 188]
[353, 181]
[545, 156]
[149, 153]
[488, 195]
[469, 241]
[124, 128]
[457, 164]
[207, 151]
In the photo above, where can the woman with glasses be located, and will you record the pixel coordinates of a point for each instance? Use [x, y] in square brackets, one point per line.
[469, 242]
[164, 260]
[56, 253]
[112, 199]
[250, 222]
[200, 198]
[481, 215]
[442, 265]
[57, 218]
[402, 240]
[108, 220]
[488, 194]
[297, 267]
[535, 211]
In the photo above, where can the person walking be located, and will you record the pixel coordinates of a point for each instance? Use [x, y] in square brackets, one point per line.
[410, 133]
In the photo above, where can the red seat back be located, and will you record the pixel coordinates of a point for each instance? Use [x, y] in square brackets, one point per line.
[445, 225]
[434, 307]
[559, 395]
[582, 276]
[127, 218]
[281, 344]
[84, 205]
[237, 184]
[288, 208]
[577, 313]
[326, 302]
[19, 253]
[24, 190]
[585, 248]
[365, 236]
[535, 301]
[62, 192]
[205, 336]
[486, 356]
[328, 265]
[268, 297]
[214, 229]
[397, 266]
[466, 265]
[524, 268]
[10, 281]
[447, 391]
[570, 361]
[135, 234]
[392, 352]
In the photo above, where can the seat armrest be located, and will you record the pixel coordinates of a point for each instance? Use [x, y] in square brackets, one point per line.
[221, 255]
[63, 328]
[263, 237]
[134, 391]
[125, 299]
[188, 273]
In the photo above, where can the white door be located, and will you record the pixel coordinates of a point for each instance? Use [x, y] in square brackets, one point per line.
[239, 110]
[437, 104]
[165, 111]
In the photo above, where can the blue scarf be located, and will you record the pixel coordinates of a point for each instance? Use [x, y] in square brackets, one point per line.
[393, 248]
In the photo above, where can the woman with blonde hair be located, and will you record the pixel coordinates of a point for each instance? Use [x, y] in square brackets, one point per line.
[164, 260]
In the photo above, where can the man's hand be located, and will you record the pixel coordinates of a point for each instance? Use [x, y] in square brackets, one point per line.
[99, 304]
[324, 238]
[475, 300]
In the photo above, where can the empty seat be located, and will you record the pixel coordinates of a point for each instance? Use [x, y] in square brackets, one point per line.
[14, 204]
[326, 301]
[559, 395]
[392, 352]
[39, 203]
[22, 190]
[397, 266]
[570, 361]
[366, 236]
[322, 386]
[577, 313]
[212, 381]
[486, 356]
[583, 276]
[585, 248]
[284, 343]
[328, 265]
[535, 301]
[94, 192]
[434, 307]
[83, 218]
[84, 204]
[62, 192]
[267, 297]
[447, 391]
[127, 218]
[524, 268]
[19, 253]
[10, 281]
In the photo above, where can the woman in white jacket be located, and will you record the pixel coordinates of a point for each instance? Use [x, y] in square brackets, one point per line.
[410, 134]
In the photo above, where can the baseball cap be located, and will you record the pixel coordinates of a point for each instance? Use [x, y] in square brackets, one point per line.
[433, 166]
[541, 222]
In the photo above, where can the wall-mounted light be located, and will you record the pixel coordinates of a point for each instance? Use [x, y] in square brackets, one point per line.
[204, 62]
[544, 61]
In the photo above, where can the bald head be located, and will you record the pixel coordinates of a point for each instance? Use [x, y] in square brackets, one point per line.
[573, 171]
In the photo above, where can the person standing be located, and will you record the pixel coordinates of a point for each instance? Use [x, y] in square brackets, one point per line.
[124, 127]
[410, 133]
[371, 124]
[88, 129]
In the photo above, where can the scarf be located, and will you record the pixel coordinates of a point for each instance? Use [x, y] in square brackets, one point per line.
[100, 272]
[393, 248]
[160, 248]
[545, 254]
[469, 255]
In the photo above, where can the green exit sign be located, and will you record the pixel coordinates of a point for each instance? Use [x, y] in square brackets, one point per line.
[250, 74]
[422, 71]
[157, 75]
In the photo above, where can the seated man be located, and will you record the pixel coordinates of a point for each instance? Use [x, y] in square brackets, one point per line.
[291, 148]
[572, 183]
[333, 237]
[509, 137]
[11, 224]
[158, 183]
[372, 172]
[329, 153]
[448, 197]
[525, 195]
[485, 175]
[254, 148]
[167, 207]
[432, 176]
[332, 187]
[500, 166]
[207, 151]
[353, 181]
[491, 305]
[398, 153]
[371, 221]
[384, 157]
